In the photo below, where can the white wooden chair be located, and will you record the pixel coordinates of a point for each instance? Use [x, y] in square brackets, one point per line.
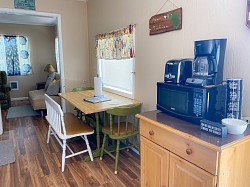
[65, 126]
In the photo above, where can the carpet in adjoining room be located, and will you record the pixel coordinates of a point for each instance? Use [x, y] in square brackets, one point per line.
[7, 152]
[21, 111]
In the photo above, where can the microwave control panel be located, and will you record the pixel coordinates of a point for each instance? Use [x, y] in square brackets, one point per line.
[198, 100]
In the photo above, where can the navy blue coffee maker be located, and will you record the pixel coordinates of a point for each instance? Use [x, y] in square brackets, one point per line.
[208, 62]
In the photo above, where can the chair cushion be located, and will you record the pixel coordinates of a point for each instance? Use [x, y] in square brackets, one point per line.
[73, 125]
[106, 129]
[37, 99]
[49, 79]
[53, 88]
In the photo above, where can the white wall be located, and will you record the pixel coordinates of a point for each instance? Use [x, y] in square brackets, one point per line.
[202, 19]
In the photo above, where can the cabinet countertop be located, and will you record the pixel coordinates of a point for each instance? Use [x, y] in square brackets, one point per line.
[191, 130]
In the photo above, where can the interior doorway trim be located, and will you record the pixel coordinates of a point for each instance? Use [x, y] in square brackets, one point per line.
[52, 19]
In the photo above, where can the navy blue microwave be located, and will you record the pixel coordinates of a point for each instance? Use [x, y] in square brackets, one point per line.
[192, 103]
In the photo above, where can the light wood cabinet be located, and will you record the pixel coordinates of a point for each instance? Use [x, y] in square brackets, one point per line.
[161, 168]
[174, 157]
[185, 174]
[155, 172]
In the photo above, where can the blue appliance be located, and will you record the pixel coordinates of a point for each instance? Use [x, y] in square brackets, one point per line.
[192, 103]
[208, 62]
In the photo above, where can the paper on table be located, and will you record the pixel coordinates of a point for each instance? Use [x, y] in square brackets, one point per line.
[115, 102]
[97, 99]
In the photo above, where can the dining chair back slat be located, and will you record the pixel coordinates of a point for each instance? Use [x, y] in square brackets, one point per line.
[131, 122]
[55, 116]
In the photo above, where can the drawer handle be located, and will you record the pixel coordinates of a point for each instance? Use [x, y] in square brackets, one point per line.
[151, 133]
[189, 151]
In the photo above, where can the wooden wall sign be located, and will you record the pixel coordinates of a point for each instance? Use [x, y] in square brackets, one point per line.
[165, 22]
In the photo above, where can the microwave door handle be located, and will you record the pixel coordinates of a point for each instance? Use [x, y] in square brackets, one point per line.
[208, 101]
[214, 67]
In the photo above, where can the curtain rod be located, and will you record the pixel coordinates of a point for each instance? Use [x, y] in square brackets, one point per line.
[118, 29]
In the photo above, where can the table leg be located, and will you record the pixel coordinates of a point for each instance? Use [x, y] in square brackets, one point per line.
[97, 130]
[97, 152]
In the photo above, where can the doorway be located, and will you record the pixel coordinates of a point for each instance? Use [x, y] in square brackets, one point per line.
[17, 16]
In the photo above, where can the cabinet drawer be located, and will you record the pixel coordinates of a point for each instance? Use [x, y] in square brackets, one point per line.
[193, 152]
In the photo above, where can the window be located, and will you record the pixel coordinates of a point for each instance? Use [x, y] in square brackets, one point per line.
[116, 56]
[118, 76]
[14, 55]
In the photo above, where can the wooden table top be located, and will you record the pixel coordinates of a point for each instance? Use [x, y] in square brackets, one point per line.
[77, 100]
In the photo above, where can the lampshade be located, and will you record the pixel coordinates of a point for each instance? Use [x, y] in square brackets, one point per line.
[49, 68]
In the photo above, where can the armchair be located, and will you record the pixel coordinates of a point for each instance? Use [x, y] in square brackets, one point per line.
[4, 91]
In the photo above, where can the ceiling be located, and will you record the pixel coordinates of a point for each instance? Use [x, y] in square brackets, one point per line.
[16, 18]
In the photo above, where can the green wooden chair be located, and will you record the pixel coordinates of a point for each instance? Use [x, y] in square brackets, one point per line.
[79, 113]
[122, 125]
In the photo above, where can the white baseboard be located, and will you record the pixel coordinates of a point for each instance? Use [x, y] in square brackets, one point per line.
[19, 98]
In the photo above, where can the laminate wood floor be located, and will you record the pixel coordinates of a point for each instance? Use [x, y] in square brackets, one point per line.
[39, 164]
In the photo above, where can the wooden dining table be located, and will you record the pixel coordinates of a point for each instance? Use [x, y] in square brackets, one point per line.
[77, 100]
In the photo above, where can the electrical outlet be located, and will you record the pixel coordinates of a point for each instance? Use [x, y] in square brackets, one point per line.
[247, 119]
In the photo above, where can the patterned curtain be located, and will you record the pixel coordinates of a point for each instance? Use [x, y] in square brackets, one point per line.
[14, 55]
[116, 45]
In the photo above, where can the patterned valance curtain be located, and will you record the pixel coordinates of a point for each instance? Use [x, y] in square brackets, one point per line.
[14, 55]
[116, 45]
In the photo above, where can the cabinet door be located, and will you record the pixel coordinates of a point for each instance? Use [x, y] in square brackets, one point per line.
[185, 174]
[154, 164]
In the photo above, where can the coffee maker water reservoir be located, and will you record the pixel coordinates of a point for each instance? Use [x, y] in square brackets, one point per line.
[208, 62]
